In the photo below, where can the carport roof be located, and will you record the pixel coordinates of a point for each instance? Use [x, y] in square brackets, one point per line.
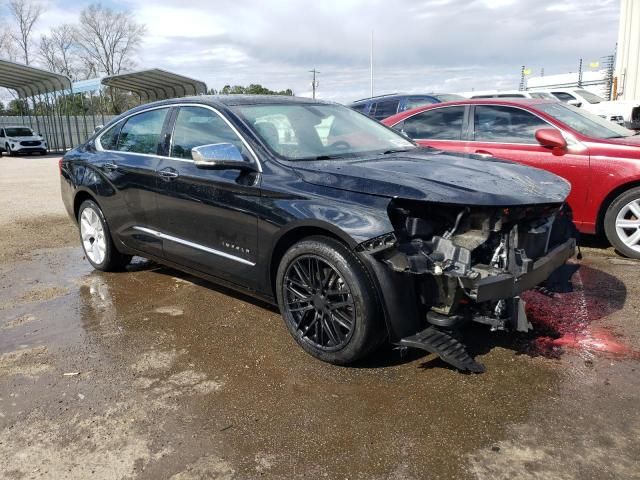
[156, 84]
[28, 81]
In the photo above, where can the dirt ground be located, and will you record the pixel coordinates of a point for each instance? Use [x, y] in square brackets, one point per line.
[153, 374]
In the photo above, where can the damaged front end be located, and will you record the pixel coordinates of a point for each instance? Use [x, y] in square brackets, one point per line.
[469, 264]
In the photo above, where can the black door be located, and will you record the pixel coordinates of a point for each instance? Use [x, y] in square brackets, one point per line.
[209, 216]
[130, 160]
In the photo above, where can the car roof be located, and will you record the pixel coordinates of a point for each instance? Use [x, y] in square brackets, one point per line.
[224, 101]
[387, 96]
[513, 102]
[16, 126]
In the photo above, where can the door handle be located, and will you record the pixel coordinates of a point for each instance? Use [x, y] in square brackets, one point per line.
[109, 167]
[168, 173]
[483, 153]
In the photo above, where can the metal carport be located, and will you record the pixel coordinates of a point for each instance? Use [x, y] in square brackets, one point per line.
[45, 90]
[156, 84]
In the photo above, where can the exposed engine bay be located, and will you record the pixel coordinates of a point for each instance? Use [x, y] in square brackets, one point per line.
[471, 263]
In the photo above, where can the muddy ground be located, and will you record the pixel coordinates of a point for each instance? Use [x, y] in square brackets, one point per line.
[154, 374]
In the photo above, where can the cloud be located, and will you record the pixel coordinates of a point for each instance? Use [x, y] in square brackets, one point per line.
[419, 45]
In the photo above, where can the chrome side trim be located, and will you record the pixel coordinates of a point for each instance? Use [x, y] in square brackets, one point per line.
[197, 246]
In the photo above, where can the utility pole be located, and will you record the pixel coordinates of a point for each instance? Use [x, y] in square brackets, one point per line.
[314, 82]
[522, 79]
[371, 64]
[580, 73]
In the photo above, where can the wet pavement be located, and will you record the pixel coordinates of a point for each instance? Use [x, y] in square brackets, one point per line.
[152, 374]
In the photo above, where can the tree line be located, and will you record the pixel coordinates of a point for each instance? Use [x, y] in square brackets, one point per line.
[102, 42]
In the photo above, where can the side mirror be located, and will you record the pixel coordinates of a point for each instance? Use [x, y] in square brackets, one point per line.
[98, 128]
[551, 138]
[220, 156]
[575, 103]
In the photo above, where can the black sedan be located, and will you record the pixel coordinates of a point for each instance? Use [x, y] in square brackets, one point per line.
[358, 235]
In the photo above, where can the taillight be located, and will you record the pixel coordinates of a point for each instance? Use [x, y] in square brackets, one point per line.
[60, 165]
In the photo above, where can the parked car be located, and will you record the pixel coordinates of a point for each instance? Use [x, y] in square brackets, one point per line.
[516, 94]
[599, 158]
[621, 112]
[356, 233]
[384, 106]
[18, 139]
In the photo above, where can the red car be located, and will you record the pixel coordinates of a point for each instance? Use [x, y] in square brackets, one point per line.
[601, 159]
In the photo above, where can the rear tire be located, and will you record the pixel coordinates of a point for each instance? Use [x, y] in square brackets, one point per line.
[96, 240]
[328, 301]
[622, 223]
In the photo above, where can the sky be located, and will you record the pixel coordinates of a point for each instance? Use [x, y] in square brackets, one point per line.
[419, 45]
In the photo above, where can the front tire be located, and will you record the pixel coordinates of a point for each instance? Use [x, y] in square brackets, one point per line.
[11, 152]
[622, 223]
[96, 239]
[328, 301]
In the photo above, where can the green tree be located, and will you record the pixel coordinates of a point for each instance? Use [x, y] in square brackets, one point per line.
[253, 89]
[2, 111]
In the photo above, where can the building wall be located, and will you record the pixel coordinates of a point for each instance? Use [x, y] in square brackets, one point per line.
[628, 53]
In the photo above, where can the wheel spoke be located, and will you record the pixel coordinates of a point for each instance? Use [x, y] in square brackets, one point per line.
[327, 328]
[632, 240]
[342, 321]
[635, 208]
[338, 305]
[624, 223]
[302, 274]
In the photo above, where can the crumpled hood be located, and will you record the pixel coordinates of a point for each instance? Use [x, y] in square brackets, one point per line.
[430, 175]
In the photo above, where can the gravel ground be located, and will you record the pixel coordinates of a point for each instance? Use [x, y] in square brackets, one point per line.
[154, 374]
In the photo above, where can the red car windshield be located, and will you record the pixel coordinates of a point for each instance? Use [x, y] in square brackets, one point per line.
[584, 122]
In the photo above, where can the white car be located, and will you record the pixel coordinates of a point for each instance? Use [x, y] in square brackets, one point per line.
[516, 94]
[624, 113]
[20, 139]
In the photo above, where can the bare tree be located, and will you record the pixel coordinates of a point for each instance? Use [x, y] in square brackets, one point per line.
[25, 13]
[108, 39]
[58, 51]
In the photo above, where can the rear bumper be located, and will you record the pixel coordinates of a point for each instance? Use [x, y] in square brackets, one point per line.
[506, 285]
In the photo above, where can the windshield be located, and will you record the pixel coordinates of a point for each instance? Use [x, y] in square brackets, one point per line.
[19, 132]
[590, 97]
[584, 122]
[318, 132]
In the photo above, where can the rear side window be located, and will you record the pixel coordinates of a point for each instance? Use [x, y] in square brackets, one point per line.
[564, 96]
[438, 124]
[506, 125]
[109, 139]
[197, 126]
[384, 109]
[141, 133]
[415, 102]
[359, 108]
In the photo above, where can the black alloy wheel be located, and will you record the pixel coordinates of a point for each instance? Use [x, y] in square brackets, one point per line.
[320, 302]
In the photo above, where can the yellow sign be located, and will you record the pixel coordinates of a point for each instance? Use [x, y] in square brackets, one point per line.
[594, 64]
[527, 71]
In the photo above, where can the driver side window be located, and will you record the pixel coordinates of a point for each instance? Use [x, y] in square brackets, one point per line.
[197, 126]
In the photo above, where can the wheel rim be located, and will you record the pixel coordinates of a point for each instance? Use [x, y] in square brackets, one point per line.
[319, 302]
[628, 225]
[92, 233]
